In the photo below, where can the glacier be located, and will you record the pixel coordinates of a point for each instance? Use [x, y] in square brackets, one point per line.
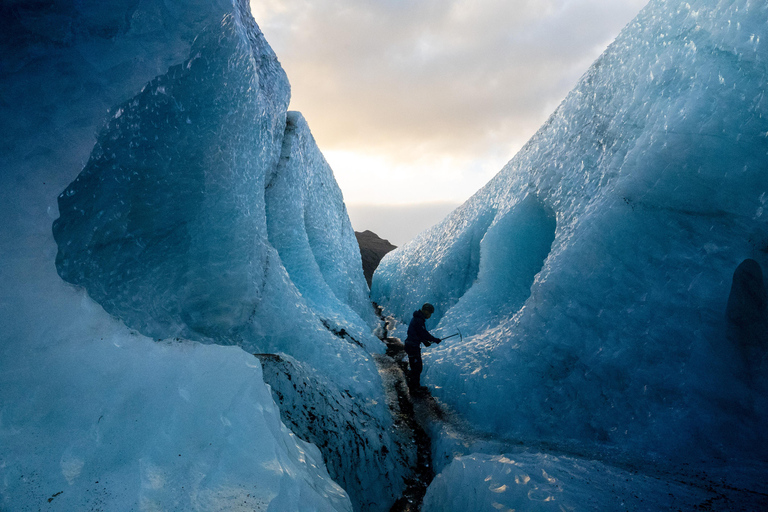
[185, 325]
[165, 219]
[591, 276]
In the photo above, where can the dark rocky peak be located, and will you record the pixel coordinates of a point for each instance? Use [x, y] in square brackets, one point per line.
[372, 249]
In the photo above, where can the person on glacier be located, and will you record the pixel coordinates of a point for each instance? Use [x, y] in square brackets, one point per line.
[418, 334]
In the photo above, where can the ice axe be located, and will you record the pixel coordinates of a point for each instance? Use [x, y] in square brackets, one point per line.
[458, 333]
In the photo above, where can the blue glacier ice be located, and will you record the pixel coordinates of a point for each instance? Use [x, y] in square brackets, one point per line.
[165, 218]
[322, 259]
[543, 482]
[590, 277]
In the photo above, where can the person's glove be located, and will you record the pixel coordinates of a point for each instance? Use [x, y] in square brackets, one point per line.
[426, 343]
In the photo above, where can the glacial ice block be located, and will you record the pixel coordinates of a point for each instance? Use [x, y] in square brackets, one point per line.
[165, 226]
[309, 226]
[166, 229]
[644, 191]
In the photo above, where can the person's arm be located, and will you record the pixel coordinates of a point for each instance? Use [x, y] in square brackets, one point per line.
[426, 338]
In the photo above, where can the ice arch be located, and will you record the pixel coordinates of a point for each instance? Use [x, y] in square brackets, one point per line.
[512, 253]
[448, 274]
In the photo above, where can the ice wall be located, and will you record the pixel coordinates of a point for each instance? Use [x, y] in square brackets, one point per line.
[165, 225]
[308, 224]
[591, 275]
[162, 123]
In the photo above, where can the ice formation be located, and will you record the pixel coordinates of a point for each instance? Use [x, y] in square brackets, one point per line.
[590, 277]
[174, 220]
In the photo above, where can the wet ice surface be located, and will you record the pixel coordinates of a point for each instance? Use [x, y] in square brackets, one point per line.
[476, 471]
[536, 481]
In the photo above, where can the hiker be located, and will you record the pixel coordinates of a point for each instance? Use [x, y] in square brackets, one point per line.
[418, 334]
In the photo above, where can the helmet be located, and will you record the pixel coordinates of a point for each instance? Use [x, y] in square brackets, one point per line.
[428, 308]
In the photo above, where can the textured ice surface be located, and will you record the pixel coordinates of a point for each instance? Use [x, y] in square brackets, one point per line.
[591, 275]
[165, 225]
[166, 228]
[538, 482]
[308, 225]
[110, 420]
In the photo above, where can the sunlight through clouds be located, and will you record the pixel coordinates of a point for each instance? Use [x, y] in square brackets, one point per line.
[425, 101]
[399, 182]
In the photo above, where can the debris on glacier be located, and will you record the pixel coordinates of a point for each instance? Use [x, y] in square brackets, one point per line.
[343, 428]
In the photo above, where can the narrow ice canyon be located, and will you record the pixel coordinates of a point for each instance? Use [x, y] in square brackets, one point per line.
[185, 323]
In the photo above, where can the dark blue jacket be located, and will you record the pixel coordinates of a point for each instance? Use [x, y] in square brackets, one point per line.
[418, 333]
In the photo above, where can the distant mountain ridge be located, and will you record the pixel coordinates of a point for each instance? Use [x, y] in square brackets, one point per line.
[372, 250]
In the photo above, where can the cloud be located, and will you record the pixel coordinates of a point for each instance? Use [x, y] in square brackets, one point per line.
[398, 224]
[435, 76]
[423, 101]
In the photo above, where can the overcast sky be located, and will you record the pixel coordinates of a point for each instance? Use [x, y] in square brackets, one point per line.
[423, 101]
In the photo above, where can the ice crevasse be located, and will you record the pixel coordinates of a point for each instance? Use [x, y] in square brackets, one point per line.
[590, 276]
[165, 218]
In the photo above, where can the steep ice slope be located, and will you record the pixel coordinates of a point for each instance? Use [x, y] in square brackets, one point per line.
[308, 225]
[165, 229]
[590, 276]
[163, 225]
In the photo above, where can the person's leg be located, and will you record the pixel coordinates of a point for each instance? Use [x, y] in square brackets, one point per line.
[416, 366]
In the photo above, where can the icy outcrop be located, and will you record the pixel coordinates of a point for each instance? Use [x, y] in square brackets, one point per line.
[591, 275]
[165, 225]
[308, 225]
[162, 223]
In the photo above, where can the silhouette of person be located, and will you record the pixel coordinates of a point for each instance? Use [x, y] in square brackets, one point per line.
[418, 335]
